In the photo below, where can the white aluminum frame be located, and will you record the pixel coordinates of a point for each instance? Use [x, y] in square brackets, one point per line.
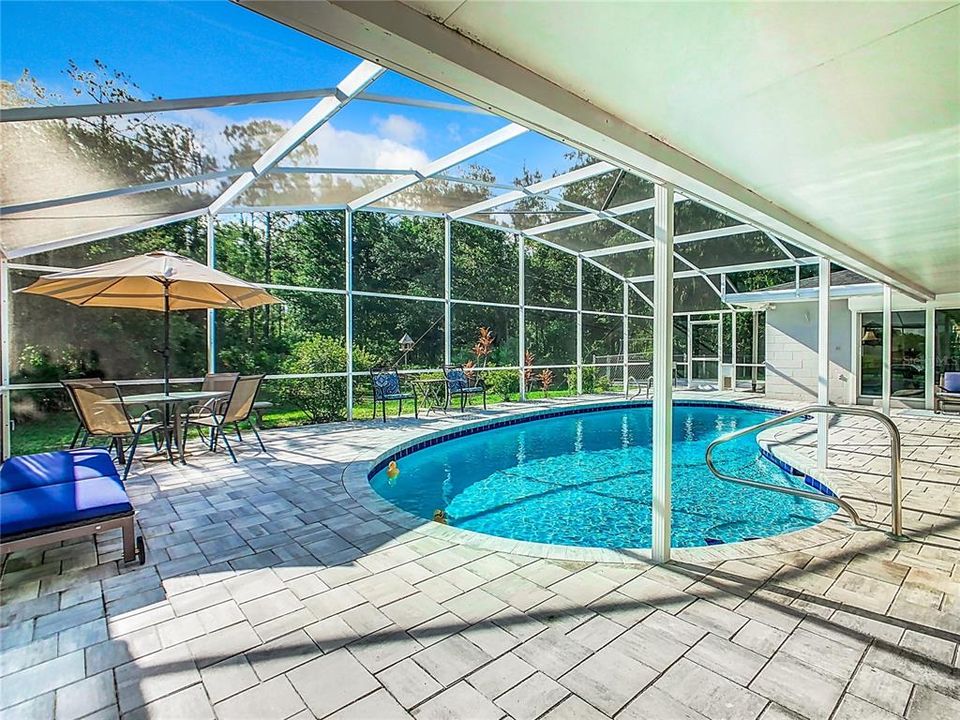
[625, 343]
[887, 348]
[211, 313]
[823, 363]
[358, 79]
[718, 358]
[579, 312]
[435, 167]
[538, 188]
[348, 305]
[521, 311]
[662, 373]
[929, 355]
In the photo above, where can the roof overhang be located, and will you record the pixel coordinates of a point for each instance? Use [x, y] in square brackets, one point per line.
[409, 41]
[763, 298]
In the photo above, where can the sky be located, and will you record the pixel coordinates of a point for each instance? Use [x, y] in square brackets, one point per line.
[189, 48]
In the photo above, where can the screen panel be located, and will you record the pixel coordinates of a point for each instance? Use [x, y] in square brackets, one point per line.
[485, 264]
[398, 254]
[22, 231]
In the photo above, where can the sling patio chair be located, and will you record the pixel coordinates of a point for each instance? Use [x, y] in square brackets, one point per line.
[80, 435]
[237, 408]
[947, 391]
[459, 383]
[386, 386]
[217, 382]
[103, 414]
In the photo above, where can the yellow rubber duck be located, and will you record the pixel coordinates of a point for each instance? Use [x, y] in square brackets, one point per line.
[393, 472]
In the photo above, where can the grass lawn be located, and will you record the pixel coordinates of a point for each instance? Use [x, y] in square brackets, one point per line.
[54, 431]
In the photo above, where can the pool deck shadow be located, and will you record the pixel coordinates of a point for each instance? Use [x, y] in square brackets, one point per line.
[271, 591]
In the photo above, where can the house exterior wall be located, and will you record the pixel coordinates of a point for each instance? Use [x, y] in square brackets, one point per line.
[791, 351]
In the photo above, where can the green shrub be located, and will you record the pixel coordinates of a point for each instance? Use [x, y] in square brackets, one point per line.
[502, 382]
[40, 364]
[594, 381]
[322, 399]
[602, 383]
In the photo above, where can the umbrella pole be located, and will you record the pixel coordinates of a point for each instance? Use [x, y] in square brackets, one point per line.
[166, 338]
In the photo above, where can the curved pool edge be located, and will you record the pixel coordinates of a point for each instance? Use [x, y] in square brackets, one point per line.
[356, 482]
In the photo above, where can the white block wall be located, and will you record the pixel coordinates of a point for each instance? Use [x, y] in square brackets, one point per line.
[791, 351]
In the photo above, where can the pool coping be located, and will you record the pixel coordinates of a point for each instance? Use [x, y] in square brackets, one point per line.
[836, 527]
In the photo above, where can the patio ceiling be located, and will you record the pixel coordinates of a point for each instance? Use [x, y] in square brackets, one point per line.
[836, 126]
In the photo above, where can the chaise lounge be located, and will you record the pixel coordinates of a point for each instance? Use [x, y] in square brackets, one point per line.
[55, 496]
[947, 391]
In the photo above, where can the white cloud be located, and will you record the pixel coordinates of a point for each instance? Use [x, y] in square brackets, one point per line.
[399, 128]
[346, 148]
[330, 146]
[209, 126]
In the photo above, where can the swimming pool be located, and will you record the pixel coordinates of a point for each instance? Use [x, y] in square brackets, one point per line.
[584, 479]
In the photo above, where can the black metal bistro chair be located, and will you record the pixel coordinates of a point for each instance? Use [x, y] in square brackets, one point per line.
[386, 386]
[460, 384]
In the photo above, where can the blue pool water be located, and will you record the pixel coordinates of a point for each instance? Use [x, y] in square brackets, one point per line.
[584, 479]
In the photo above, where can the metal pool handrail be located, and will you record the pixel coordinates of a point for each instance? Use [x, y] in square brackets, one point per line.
[896, 519]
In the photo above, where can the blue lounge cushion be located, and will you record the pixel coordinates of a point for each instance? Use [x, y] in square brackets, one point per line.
[43, 507]
[951, 382]
[52, 468]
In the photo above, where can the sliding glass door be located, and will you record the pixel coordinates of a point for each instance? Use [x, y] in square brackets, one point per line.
[947, 342]
[907, 354]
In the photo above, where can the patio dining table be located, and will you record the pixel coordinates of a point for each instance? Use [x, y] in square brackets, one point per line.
[175, 402]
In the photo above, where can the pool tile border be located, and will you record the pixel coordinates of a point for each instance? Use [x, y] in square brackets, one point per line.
[357, 475]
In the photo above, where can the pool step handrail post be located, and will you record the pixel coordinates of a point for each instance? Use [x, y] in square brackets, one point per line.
[896, 510]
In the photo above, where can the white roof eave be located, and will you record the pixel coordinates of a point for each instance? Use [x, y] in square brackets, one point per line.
[770, 297]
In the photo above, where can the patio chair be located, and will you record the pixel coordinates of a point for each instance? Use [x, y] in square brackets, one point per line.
[103, 414]
[386, 386]
[67, 384]
[218, 382]
[259, 407]
[458, 383]
[947, 391]
[236, 409]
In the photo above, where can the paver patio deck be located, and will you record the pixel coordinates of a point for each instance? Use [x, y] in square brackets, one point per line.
[271, 592]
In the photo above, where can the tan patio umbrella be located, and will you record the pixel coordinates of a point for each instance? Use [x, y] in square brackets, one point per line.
[160, 281]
